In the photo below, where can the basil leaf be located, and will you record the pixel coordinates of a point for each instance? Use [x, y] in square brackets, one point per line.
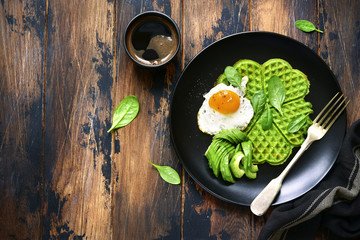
[296, 123]
[276, 91]
[168, 174]
[258, 101]
[233, 76]
[266, 119]
[125, 112]
[306, 26]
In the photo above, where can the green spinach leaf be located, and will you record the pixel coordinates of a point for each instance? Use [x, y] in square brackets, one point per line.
[168, 174]
[125, 112]
[266, 119]
[258, 101]
[233, 76]
[276, 91]
[306, 26]
[296, 123]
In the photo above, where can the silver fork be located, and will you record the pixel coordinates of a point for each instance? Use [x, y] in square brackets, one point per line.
[316, 131]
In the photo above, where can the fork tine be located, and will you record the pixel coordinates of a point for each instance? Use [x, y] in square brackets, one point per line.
[338, 114]
[334, 111]
[323, 110]
[339, 108]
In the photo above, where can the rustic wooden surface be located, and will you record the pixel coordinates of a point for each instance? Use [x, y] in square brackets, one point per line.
[63, 70]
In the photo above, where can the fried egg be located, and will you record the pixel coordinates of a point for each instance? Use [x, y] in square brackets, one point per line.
[224, 107]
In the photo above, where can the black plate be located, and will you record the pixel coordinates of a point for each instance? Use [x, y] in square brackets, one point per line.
[199, 76]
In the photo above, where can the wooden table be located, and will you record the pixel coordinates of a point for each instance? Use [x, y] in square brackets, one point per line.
[63, 70]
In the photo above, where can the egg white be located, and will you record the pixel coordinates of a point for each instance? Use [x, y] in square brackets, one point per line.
[212, 122]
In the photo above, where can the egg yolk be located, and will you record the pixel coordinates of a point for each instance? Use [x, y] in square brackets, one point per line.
[225, 101]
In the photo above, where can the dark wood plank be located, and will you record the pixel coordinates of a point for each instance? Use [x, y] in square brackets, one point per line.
[218, 218]
[100, 185]
[206, 217]
[340, 47]
[22, 27]
[145, 207]
[283, 22]
[280, 16]
[208, 21]
[78, 114]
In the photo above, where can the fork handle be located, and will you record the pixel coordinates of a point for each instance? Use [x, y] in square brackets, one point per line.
[304, 146]
[265, 198]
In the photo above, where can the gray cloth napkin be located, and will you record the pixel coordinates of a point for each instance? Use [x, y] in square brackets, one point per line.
[334, 203]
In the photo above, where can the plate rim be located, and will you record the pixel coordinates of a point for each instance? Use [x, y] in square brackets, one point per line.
[179, 80]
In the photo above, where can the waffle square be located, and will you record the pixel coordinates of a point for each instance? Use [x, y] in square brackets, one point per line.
[269, 146]
[290, 110]
[254, 72]
[274, 146]
[295, 82]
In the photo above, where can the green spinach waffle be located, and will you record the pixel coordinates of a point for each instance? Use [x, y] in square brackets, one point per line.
[275, 145]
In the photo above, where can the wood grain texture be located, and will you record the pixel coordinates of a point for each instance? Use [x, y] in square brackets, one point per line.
[145, 206]
[78, 114]
[21, 91]
[206, 217]
[208, 21]
[339, 47]
[63, 70]
[280, 16]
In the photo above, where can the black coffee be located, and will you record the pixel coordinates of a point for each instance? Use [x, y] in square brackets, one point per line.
[152, 40]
